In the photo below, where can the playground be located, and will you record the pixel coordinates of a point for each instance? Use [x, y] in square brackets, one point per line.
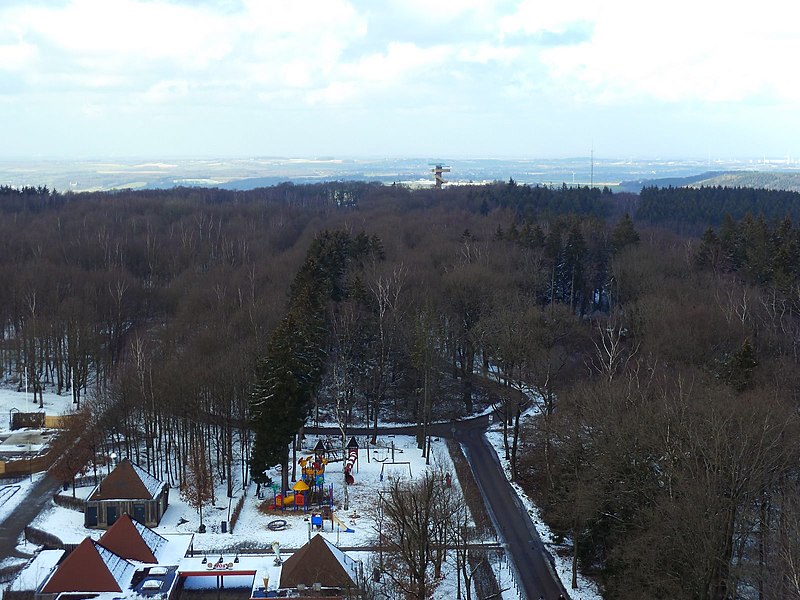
[324, 469]
[314, 504]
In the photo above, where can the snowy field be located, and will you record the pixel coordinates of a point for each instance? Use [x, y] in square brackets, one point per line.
[11, 399]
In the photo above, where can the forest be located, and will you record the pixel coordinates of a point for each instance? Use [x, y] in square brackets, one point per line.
[660, 333]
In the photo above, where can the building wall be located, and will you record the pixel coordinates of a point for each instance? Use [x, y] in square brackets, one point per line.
[147, 512]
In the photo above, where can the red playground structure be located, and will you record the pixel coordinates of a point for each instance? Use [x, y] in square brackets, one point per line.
[352, 459]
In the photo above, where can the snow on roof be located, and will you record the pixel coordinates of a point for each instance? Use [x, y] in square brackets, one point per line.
[128, 482]
[152, 484]
[176, 548]
[153, 540]
[121, 569]
[348, 564]
[132, 540]
[319, 561]
[37, 569]
[90, 568]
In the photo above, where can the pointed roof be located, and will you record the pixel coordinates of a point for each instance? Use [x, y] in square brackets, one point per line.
[319, 561]
[127, 482]
[89, 568]
[132, 540]
[300, 486]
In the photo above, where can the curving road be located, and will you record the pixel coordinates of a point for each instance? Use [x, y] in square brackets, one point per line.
[12, 527]
[534, 572]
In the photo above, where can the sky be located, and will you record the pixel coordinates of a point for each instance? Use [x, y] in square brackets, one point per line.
[104, 79]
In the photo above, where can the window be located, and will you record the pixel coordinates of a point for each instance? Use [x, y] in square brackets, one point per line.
[151, 585]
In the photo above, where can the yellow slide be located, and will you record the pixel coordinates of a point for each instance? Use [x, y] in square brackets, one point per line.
[345, 527]
[287, 500]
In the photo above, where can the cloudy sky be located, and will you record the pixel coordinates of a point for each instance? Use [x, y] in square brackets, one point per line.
[384, 78]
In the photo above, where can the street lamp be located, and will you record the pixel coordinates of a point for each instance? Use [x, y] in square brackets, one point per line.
[111, 458]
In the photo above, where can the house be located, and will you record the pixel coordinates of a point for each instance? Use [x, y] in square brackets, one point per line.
[129, 557]
[133, 540]
[89, 568]
[322, 569]
[128, 489]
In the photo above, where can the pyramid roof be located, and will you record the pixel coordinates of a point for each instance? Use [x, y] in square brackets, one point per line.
[319, 561]
[132, 540]
[300, 486]
[127, 482]
[89, 568]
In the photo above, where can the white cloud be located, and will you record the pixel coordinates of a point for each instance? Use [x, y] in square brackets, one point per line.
[268, 43]
[17, 56]
[683, 51]
[398, 62]
[235, 61]
[334, 93]
[166, 91]
[534, 16]
[130, 29]
[485, 53]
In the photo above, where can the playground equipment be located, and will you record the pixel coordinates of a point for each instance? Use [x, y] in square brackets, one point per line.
[390, 464]
[282, 501]
[384, 452]
[352, 459]
[277, 525]
[344, 526]
[312, 469]
[296, 499]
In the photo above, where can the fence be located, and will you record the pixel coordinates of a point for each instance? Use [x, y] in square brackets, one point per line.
[69, 502]
[25, 466]
[42, 538]
[57, 421]
[236, 510]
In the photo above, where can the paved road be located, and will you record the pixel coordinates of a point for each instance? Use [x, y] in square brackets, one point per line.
[535, 574]
[39, 495]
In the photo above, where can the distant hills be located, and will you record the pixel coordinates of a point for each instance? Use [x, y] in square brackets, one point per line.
[775, 180]
[627, 175]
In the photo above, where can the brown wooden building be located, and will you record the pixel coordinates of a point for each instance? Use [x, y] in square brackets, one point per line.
[130, 490]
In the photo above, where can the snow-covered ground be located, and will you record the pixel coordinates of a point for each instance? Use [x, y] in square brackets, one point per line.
[251, 529]
[11, 399]
[252, 532]
[13, 493]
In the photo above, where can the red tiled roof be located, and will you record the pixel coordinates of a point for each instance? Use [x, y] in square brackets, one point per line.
[316, 562]
[88, 568]
[124, 483]
[125, 539]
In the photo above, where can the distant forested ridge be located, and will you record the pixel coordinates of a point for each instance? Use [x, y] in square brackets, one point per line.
[690, 208]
